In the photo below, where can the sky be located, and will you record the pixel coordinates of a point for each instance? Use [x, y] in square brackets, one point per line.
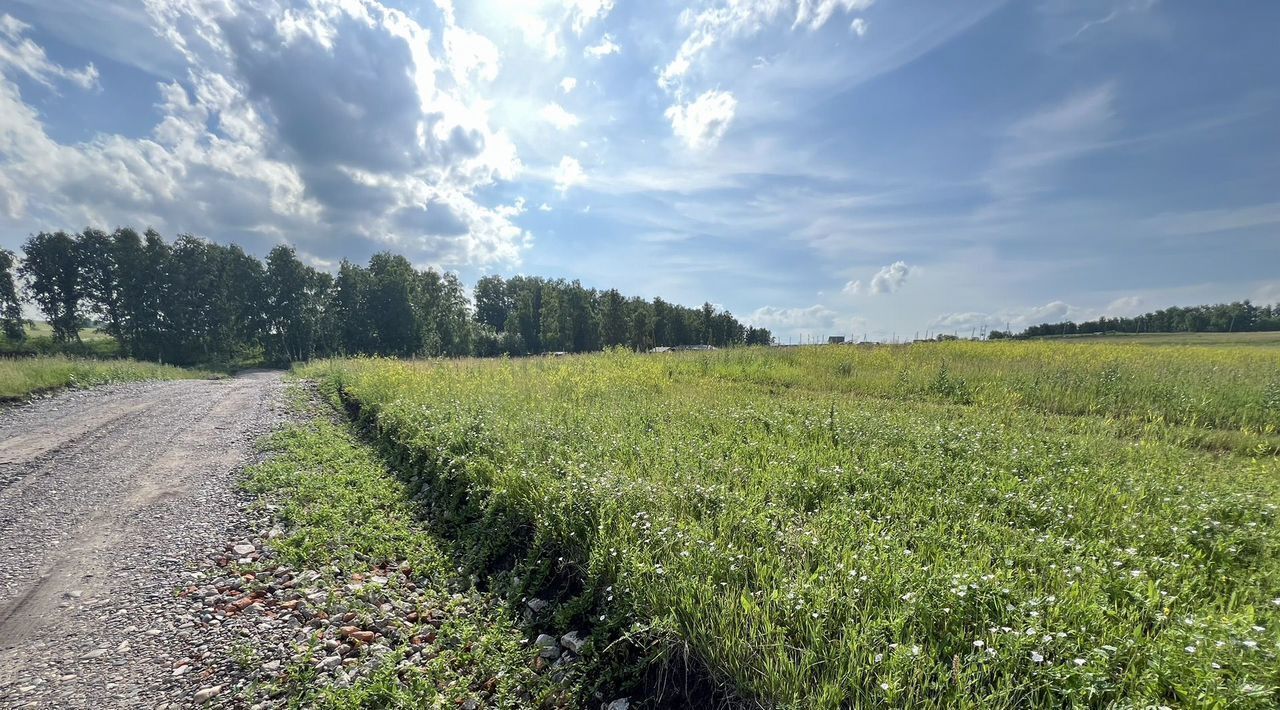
[871, 168]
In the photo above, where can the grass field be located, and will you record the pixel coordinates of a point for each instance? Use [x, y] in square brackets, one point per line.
[1257, 340]
[958, 524]
[39, 341]
[21, 377]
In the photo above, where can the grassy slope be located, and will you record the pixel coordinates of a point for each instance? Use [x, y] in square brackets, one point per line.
[817, 550]
[22, 377]
[346, 514]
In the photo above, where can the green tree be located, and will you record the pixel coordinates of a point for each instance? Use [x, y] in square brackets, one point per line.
[493, 302]
[99, 278]
[392, 313]
[51, 270]
[349, 311]
[12, 323]
[640, 322]
[552, 330]
[288, 289]
[613, 319]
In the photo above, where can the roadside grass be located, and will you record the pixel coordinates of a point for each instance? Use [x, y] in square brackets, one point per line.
[22, 377]
[950, 541]
[347, 516]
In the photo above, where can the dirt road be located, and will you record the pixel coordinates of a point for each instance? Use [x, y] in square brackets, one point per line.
[107, 496]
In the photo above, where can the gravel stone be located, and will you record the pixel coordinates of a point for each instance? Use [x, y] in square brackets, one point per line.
[110, 498]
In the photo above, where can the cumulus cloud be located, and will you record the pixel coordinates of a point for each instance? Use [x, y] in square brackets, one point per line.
[569, 173]
[1015, 319]
[703, 122]
[858, 26]
[311, 122]
[568, 84]
[890, 278]
[556, 115]
[815, 317]
[544, 207]
[887, 280]
[1124, 306]
[603, 48]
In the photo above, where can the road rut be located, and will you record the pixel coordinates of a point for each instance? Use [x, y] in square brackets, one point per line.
[107, 497]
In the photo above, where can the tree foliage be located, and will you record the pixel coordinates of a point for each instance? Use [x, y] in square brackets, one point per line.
[11, 322]
[193, 300]
[1236, 317]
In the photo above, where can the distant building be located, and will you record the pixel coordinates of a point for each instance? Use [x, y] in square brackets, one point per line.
[835, 340]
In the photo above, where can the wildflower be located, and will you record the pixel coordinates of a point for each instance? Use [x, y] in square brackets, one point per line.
[1079, 661]
[1036, 657]
[915, 650]
[979, 643]
[1190, 649]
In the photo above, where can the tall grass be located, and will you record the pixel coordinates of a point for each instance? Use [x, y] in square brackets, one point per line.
[951, 541]
[22, 377]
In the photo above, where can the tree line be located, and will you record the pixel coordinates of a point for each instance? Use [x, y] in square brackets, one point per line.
[195, 301]
[1237, 317]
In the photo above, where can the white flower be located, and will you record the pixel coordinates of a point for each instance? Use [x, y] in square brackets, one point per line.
[1190, 649]
[884, 686]
[1079, 661]
[979, 643]
[1035, 656]
[915, 650]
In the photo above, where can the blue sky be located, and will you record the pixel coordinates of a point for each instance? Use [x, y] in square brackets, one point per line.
[815, 166]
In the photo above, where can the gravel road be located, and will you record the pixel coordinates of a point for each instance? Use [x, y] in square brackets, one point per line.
[108, 498]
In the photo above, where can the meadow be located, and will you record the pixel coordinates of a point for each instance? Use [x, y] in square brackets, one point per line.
[953, 524]
[22, 377]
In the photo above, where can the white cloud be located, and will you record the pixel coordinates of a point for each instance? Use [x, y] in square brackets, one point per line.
[569, 173]
[604, 47]
[1268, 293]
[815, 14]
[470, 53]
[541, 35]
[568, 84]
[702, 123]
[19, 54]
[556, 115]
[544, 207]
[858, 26]
[1015, 319]
[584, 12]
[815, 317]
[890, 278]
[1077, 125]
[274, 133]
[1124, 306]
[743, 19]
